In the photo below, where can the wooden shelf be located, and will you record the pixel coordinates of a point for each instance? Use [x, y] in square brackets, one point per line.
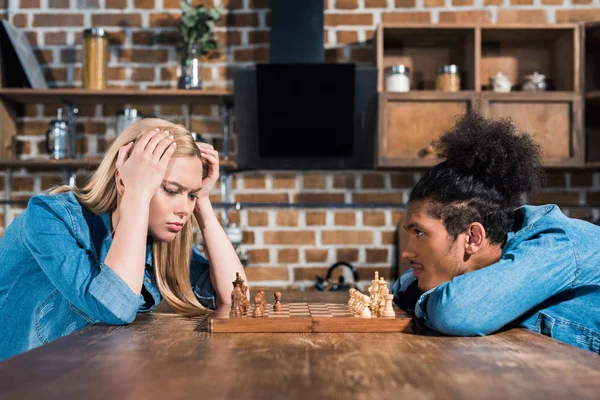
[120, 96]
[57, 165]
[531, 96]
[430, 95]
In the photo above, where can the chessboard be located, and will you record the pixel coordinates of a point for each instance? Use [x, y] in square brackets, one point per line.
[307, 318]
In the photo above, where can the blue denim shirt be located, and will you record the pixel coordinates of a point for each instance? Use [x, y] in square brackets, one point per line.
[53, 280]
[547, 280]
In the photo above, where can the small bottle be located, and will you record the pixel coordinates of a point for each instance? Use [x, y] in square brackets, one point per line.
[448, 78]
[95, 50]
[398, 79]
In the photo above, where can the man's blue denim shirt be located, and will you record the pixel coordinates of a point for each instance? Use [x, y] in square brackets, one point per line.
[53, 280]
[547, 280]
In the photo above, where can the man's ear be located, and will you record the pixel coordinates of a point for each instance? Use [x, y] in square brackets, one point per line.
[119, 183]
[475, 238]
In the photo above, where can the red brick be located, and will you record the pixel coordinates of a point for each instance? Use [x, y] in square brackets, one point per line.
[257, 54]
[377, 198]
[44, 56]
[258, 218]
[405, 3]
[284, 181]
[287, 218]
[315, 218]
[561, 198]
[259, 37]
[461, 17]
[143, 55]
[171, 4]
[285, 256]
[171, 109]
[303, 274]
[205, 126]
[344, 182]
[585, 215]
[346, 237]
[55, 74]
[314, 181]
[556, 179]
[377, 256]
[582, 179]
[349, 255]
[346, 4]
[334, 55]
[22, 184]
[260, 4]
[247, 237]
[433, 3]
[262, 197]
[121, 20]
[266, 274]
[318, 198]
[522, 16]
[230, 37]
[258, 256]
[254, 182]
[316, 255]
[239, 20]
[389, 237]
[367, 273]
[373, 181]
[401, 17]
[362, 55]
[493, 2]
[373, 218]
[29, 3]
[376, 3]
[348, 19]
[397, 216]
[142, 74]
[462, 3]
[20, 20]
[145, 4]
[289, 237]
[32, 38]
[345, 218]
[402, 181]
[120, 4]
[581, 2]
[53, 38]
[593, 198]
[232, 4]
[578, 15]
[345, 37]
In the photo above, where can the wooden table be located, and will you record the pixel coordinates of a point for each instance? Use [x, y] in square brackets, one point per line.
[165, 356]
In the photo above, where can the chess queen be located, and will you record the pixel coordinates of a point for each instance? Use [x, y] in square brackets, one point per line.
[118, 245]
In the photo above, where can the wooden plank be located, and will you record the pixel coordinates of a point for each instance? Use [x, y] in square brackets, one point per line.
[119, 96]
[8, 129]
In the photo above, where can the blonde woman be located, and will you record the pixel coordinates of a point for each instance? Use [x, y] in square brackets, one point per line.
[115, 247]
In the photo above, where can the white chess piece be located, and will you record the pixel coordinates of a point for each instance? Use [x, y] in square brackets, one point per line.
[351, 299]
[366, 312]
[388, 311]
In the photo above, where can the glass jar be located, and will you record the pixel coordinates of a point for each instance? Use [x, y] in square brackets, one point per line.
[95, 58]
[127, 117]
[448, 78]
[398, 79]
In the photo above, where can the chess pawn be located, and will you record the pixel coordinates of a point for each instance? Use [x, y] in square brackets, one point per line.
[258, 311]
[263, 303]
[350, 300]
[388, 311]
[366, 312]
[357, 302]
[236, 297]
[277, 306]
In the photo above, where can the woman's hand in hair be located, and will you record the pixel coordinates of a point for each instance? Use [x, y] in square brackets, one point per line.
[212, 175]
[142, 166]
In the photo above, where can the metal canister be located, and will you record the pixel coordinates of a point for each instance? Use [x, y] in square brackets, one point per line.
[448, 78]
[95, 58]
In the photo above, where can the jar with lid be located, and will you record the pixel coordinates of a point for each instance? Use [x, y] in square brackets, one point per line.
[57, 137]
[95, 58]
[448, 78]
[398, 79]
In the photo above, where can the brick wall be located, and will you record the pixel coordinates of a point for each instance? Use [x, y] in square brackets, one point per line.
[287, 245]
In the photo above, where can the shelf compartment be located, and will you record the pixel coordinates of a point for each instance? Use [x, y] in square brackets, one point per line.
[521, 51]
[424, 49]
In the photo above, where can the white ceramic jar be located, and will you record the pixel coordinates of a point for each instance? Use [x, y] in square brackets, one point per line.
[398, 79]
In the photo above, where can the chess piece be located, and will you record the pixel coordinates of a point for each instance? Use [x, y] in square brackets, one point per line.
[258, 302]
[236, 297]
[389, 309]
[383, 292]
[374, 293]
[263, 303]
[366, 312]
[244, 303]
[277, 305]
[351, 299]
[375, 279]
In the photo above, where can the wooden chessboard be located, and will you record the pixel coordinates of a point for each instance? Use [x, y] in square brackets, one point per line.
[309, 317]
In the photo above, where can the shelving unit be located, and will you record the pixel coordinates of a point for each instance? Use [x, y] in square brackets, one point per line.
[409, 122]
[591, 40]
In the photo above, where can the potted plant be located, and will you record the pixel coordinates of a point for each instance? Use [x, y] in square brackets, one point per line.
[197, 31]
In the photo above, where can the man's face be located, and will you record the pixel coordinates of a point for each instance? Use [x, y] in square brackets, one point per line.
[173, 204]
[434, 256]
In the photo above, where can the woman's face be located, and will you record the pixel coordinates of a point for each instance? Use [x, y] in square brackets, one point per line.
[173, 204]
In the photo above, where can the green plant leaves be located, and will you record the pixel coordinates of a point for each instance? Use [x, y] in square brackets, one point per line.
[197, 27]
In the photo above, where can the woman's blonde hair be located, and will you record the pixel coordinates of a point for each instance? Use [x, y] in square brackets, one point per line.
[171, 260]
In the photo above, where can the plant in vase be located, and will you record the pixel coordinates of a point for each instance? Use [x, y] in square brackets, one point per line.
[197, 31]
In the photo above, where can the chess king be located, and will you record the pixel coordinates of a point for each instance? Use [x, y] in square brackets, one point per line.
[482, 260]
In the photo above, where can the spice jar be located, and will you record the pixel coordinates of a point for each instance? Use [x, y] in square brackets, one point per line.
[95, 53]
[448, 78]
[398, 79]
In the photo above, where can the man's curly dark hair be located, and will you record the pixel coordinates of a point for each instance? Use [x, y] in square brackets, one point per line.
[489, 168]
